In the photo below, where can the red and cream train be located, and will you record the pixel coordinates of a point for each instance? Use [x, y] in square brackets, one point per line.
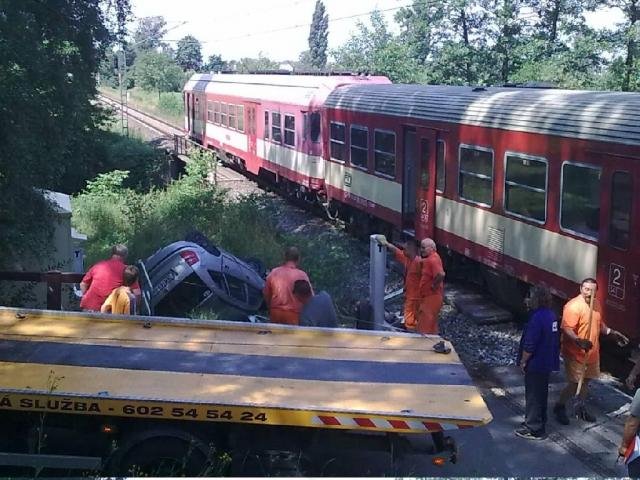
[535, 184]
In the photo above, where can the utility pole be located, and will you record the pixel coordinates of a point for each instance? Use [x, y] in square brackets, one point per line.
[122, 79]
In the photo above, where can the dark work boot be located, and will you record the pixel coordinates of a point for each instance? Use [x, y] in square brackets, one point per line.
[561, 414]
[583, 414]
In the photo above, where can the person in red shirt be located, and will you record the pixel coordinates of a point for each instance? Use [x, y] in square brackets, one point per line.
[102, 278]
[431, 288]
[581, 330]
[283, 306]
[410, 260]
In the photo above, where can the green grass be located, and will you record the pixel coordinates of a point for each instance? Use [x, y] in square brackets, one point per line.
[169, 106]
[108, 212]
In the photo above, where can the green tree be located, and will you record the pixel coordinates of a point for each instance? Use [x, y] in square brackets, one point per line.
[304, 63]
[49, 56]
[318, 36]
[421, 28]
[189, 53]
[215, 63]
[260, 64]
[374, 49]
[157, 71]
[626, 63]
[149, 33]
[449, 38]
[508, 36]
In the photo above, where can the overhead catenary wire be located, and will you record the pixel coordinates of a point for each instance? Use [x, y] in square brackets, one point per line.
[528, 16]
[302, 25]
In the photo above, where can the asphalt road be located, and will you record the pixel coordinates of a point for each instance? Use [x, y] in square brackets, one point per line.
[579, 450]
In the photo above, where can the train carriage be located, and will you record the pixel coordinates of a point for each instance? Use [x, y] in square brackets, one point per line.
[269, 125]
[534, 184]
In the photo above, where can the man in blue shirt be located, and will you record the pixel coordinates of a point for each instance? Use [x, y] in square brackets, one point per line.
[539, 355]
[317, 310]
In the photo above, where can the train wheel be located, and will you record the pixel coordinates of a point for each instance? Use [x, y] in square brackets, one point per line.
[332, 210]
[359, 225]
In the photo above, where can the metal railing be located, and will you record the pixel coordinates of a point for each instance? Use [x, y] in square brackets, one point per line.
[182, 145]
[54, 280]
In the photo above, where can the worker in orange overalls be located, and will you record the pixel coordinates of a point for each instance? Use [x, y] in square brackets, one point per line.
[410, 260]
[284, 307]
[431, 288]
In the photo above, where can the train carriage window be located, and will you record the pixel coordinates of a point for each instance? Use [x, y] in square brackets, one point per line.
[216, 112]
[224, 110]
[232, 116]
[384, 152]
[290, 130]
[276, 127]
[209, 111]
[266, 125]
[580, 201]
[359, 146]
[315, 126]
[338, 138]
[525, 186]
[440, 170]
[240, 119]
[475, 182]
[620, 221]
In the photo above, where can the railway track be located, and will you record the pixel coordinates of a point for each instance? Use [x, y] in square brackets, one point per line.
[485, 376]
[236, 181]
[223, 175]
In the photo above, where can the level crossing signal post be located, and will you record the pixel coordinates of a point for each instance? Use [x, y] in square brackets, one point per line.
[122, 79]
[377, 273]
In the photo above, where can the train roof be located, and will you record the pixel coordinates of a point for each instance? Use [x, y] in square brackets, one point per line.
[292, 89]
[591, 115]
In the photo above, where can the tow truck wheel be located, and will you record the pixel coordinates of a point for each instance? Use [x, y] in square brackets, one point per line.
[164, 457]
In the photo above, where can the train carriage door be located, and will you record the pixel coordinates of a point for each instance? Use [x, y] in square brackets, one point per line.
[251, 128]
[189, 112]
[187, 118]
[618, 246]
[425, 199]
[199, 110]
[409, 178]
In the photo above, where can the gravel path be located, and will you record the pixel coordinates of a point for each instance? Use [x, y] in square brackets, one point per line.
[492, 345]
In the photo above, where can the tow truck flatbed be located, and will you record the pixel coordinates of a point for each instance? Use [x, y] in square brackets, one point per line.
[217, 371]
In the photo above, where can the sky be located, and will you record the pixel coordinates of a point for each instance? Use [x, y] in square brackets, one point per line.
[276, 28]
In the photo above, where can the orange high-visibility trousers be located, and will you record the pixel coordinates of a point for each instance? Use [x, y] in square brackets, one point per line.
[411, 308]
[287, 317]
[427, 319]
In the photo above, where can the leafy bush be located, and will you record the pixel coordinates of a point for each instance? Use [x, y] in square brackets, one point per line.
[109, 212]
[171, 103]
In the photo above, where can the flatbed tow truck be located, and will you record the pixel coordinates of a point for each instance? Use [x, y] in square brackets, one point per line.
[151, 395]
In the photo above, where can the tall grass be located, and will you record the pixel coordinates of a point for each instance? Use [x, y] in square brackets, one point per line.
[108, 212]
[169, 106]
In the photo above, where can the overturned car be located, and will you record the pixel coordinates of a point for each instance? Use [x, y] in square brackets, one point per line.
[191, 274]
